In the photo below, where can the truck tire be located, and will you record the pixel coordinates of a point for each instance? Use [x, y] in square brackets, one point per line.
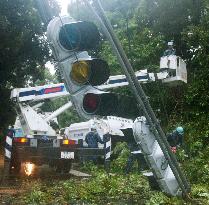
[15, 163]
[15, 166]
[63, 166]
[6, 170]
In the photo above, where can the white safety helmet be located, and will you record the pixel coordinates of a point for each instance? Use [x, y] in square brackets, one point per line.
[93, 127]
[170, 43]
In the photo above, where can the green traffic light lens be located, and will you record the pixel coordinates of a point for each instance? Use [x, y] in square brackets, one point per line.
[80, 72]
[70, 36]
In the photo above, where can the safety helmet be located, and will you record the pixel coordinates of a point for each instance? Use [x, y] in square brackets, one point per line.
[170, 43]
[180, 130]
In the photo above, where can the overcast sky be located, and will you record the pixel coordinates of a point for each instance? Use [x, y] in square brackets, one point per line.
[63, 4]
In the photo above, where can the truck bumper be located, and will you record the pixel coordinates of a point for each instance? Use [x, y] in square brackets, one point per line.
[50, 154]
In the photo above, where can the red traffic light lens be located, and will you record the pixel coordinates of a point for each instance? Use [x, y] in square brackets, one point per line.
[91, 103]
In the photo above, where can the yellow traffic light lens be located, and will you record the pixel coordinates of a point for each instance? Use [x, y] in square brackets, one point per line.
[80, 72]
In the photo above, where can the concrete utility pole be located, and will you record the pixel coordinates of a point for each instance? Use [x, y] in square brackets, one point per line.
[44, 10]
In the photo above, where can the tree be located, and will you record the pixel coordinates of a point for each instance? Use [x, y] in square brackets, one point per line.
[23, 50]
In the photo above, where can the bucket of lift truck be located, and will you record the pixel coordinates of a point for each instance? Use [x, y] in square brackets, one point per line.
[176, 68]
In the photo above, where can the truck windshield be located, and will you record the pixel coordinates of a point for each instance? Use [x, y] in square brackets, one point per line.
[18, 132]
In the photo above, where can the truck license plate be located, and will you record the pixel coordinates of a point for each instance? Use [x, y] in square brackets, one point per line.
[67, 155]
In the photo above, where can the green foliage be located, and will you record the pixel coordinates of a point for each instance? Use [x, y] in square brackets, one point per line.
[36, 195]
[201, 192]
[23, 48]
[7, 114]
[48, 78]
[121, 152]
[101, 189]
[196, 166]
[23, 51]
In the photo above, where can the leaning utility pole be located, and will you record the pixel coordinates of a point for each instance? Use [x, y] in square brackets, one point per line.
[44, 10]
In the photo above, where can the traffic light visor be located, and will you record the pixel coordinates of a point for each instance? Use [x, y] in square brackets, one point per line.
[80, 35]
[100, 72]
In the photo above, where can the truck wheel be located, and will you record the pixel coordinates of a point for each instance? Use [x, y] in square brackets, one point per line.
[15, 166]
[63, 166]
[6, 170]
[15, 163]
[67, 166]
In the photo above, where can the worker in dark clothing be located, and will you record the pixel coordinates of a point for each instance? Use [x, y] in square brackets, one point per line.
[170, 50]
[92, 139]
[135, 154]
[11, 131]
[175, 139]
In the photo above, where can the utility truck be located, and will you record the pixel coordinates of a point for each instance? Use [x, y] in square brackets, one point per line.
[34, 140]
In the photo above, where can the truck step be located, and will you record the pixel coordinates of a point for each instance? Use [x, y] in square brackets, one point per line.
[78, 173]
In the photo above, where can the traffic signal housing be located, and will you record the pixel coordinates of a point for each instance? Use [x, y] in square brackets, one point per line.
[69, 41]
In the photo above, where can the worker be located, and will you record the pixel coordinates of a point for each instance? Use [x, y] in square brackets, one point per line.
[92, 139]
[170, 50]
[135, 154]
[175, 139]
[11, 131]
